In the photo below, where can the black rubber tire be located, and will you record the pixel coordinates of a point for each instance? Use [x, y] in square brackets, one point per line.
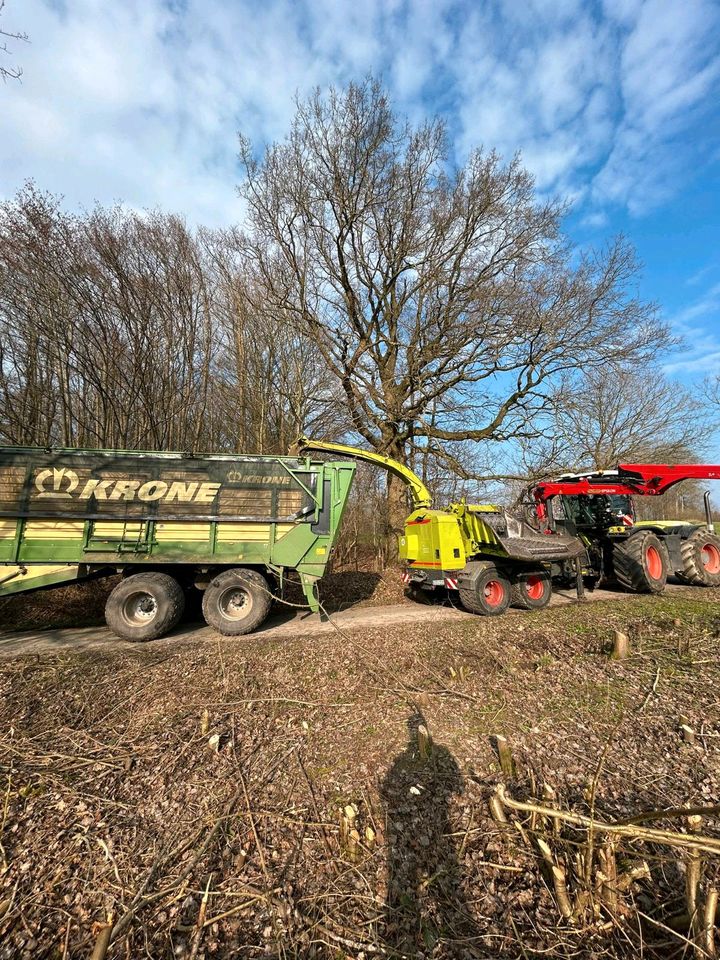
[701, 559]
[526, 584]
[631, 563]
[477, 600]
[145, 606]
[220, 607]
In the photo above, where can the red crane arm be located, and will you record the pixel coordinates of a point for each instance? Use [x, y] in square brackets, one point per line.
[633, 479]
[656, 479]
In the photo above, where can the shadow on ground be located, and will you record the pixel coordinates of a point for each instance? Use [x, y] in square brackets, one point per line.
[426, 903]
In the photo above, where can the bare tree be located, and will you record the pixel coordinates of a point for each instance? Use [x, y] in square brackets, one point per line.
[127, 330]
[443, 301]
[9, 72]
[619, 413]
[712, 391]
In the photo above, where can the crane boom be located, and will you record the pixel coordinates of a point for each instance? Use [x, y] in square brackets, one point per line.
[631, 479]
[421, 496]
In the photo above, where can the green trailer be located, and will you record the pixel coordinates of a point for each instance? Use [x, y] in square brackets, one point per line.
[231, 526]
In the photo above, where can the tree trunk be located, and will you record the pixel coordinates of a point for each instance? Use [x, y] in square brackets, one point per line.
[397, 507]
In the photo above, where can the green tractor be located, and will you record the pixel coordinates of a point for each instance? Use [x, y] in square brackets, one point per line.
[598, 508]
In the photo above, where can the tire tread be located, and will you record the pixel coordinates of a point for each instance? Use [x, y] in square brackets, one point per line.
[693, 572]
[174, 600]
[629, 566]
[254, 583]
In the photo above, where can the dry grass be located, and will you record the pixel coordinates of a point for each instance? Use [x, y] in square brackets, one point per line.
[138, 783]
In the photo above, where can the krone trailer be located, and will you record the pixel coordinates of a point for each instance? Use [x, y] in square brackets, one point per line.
[232, 526]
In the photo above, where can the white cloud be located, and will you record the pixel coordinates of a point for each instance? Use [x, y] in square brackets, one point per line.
[699, 326]
[668, 69]
[141, 100]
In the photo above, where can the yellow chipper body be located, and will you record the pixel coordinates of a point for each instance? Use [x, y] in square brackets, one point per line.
[491, 558]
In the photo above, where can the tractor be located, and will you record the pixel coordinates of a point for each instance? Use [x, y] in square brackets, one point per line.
[486, 556]
[598, 508]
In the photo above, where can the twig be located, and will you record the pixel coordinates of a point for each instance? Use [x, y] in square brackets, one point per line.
[197, 938]
[651, 691]
[103, 940]
[668, 837]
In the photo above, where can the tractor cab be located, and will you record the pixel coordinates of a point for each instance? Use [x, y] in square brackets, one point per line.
[610, 513]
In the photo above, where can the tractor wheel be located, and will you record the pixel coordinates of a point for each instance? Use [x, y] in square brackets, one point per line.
[237, 601]
[489, 594]
[531, 590]
[701, 559]
[145, 606]
[641, 562]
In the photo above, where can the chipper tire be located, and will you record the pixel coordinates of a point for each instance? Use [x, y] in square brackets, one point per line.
[484, 589]
[701, 559]
[641, 563]
[145, 606]
[237, 601]
[531, 590]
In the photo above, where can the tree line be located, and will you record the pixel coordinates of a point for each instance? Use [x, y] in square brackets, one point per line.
[375, 292]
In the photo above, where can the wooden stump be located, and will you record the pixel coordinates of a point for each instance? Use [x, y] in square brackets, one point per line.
[621, 646]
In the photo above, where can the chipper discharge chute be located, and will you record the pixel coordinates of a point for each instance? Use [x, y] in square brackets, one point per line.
[489, 557]
[231, 526]
[598, 507]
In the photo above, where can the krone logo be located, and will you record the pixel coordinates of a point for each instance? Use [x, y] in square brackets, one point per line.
[64, 483]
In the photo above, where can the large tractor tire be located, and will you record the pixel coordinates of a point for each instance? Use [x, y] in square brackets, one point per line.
[701, 559]
[237, 601]
[484, 589]
[145, 606]
[641, 562]
[531, 590]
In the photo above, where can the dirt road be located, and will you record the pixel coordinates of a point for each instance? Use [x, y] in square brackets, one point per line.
[21, 643]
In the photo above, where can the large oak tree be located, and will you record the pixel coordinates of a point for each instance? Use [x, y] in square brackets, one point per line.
[442, 298]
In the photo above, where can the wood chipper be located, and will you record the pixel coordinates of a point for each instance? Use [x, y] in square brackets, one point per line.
[491, 558]
[232, 526]
[598, 507]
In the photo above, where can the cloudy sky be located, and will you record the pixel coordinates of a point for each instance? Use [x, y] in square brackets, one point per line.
[614, 105]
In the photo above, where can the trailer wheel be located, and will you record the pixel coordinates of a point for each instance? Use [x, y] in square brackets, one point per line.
[701, 559]
[486, 593]
[237, 601]
[641, 562]
[531, 589]
[145, 606]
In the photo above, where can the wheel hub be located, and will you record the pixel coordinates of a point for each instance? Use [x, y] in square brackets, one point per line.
[140, 608]
[654, 563]
[711, 558]
[235, 603]
[494, 593]
[535, 587]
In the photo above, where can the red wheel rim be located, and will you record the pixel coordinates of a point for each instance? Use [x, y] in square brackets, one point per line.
[654, 563]
[494, 593]
[535, 588]
[710, 558]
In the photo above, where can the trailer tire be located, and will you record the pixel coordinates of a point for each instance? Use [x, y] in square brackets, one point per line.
[145, 606]
[237, 601]
[701, 559]
[484, 589]
[531, 589]
[641, 562]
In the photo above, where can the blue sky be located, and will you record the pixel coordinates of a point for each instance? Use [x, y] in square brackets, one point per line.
[614, 106]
